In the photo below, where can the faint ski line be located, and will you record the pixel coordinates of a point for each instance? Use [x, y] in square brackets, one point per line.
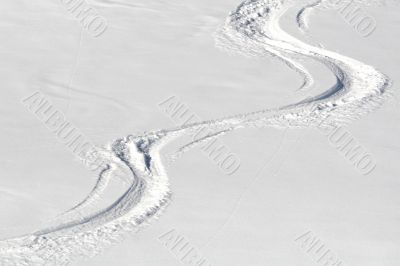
[254, 180]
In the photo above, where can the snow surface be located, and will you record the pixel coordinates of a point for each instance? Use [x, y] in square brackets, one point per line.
[225, 61]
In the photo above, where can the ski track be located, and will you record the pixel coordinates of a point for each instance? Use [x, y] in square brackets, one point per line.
[252, 30]
[302, 17]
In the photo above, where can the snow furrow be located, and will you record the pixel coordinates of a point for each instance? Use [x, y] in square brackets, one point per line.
[252, 29]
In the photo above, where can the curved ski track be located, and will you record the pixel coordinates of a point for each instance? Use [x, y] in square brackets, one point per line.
[253, 30]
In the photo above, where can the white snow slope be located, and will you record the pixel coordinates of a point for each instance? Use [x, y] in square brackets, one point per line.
[253, 29]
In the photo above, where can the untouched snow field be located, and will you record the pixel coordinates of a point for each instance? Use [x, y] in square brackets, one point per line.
[200, 132]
